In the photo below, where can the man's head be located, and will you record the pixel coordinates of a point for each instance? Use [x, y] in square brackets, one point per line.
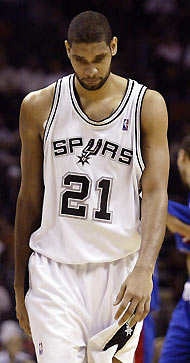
[90, 48]
[183, 160]
[89, 27]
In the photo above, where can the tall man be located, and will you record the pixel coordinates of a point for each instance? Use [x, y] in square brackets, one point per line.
[78, 204]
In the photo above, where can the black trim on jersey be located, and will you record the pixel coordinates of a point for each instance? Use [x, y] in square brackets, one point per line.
[77, 96]
[100, 123]
[58, 97]
[26, 281]
[50, 110]
[140, 114]
[120, 338]
[136, 137]
[140, 203]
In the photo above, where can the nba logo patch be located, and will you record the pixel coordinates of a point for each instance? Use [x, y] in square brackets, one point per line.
[125, 124]
[40, 348]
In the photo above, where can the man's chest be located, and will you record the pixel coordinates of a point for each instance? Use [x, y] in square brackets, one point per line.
[101, 109]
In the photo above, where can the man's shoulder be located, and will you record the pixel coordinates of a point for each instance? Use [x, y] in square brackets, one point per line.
[39, 98]
[35, 109]
[154, 110]
[152, 97]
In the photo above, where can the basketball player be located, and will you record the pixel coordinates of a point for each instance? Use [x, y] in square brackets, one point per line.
[176, 348]
[90, 274]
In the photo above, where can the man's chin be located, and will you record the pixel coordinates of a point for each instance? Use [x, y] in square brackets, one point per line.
[91, 87]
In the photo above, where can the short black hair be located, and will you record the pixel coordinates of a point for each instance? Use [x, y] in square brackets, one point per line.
[89, 27]
[185, 144]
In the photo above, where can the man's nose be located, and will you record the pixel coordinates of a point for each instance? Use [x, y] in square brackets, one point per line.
[90, 71]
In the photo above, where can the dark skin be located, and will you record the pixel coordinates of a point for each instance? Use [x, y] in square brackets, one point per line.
[91, 63]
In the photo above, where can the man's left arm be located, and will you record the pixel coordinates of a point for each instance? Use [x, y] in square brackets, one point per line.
[137, 288]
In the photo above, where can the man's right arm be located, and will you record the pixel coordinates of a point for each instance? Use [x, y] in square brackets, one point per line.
[34, 111]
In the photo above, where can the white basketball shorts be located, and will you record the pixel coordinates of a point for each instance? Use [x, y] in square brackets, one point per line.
[71, 311]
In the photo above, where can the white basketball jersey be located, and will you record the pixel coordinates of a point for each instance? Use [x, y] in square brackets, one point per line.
[92, 173]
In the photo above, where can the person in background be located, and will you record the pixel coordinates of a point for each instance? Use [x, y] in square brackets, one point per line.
[176, 348]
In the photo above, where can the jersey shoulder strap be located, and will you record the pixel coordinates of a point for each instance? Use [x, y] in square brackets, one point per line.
[54, 106]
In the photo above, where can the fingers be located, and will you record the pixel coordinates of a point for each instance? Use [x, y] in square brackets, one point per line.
[120, 295]
[125, 304]
[25, 326]
[24, 323]
[140, 313]
[128, 307]
[133, 310]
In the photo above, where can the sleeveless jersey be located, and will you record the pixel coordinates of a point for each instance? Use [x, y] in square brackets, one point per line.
[92, 173]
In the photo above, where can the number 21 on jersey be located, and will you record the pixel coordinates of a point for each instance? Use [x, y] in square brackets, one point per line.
[74, 199]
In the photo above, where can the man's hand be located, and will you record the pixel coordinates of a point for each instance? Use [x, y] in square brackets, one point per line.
[135, 296]
[21, 313]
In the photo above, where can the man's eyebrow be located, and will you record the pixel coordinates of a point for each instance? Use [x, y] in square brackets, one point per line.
[78, 56]
[99, 56]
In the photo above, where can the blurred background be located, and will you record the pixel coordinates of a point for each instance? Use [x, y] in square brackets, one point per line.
[154, 49]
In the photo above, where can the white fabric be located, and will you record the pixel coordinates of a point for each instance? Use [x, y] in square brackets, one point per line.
[186, 292]
[71, 310]
[78, 180]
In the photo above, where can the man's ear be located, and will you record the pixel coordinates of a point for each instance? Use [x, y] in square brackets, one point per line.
[68, 48]
[113, 46]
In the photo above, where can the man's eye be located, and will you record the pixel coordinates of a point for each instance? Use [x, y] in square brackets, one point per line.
[81, 61]
[98, 61]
